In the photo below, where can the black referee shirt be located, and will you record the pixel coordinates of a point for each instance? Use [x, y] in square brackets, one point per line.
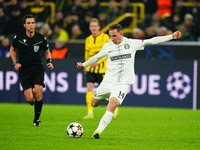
[29, 49]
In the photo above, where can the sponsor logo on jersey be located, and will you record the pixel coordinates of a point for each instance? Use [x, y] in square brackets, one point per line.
[126, 46]
[36, 48]
[125, 56]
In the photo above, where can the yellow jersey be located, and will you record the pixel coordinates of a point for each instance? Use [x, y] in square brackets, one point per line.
[92, 46]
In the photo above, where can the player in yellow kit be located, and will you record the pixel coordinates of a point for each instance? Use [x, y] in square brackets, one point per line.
[95, 72]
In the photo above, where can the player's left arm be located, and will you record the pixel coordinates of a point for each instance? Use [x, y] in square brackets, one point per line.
[49, 60]
[162, 39]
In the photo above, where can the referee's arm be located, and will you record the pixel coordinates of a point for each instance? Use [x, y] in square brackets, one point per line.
[13, 54]
[49, 60]
[16, 64]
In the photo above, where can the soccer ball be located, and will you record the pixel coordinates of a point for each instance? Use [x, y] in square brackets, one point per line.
[178, 85]
[75, 130]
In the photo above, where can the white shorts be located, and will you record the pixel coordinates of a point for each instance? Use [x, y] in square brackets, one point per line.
[108, 90]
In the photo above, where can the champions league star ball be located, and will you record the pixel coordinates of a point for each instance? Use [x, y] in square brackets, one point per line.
[75, 130]
[178, 85]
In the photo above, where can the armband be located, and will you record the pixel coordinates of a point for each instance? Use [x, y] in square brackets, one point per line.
[49, 60]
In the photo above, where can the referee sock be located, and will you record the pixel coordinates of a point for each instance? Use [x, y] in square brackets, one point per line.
[38, 109]
[105, 120]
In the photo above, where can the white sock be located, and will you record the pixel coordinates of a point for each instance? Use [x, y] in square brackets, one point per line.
[105, 120]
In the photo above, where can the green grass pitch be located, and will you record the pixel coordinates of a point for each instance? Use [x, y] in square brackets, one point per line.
[135, 129]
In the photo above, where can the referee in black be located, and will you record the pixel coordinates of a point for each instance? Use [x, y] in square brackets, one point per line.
[30, 44]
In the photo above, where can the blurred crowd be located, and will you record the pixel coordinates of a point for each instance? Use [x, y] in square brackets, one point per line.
[71, 20]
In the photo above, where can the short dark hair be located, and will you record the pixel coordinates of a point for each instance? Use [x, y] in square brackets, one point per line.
[115, 26]
[28, 16]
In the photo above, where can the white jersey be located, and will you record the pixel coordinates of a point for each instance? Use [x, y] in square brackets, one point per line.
[121, 58]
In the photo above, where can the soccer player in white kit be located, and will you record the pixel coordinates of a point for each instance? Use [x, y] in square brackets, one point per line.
[120, 72]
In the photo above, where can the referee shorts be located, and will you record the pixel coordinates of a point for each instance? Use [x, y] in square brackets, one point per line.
[29, 78]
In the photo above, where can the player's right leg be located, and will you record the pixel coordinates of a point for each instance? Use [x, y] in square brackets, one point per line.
[117, 95]
[95, 103]
[106, 119]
